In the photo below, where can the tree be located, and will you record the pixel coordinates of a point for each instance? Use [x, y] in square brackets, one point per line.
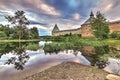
[2, 35]
[33, 33]
[100, 26]
[5, 29]
[20, 22]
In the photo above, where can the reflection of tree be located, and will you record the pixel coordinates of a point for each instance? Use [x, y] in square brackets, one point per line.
[98, 55]
[33, 46]
[19, 50]
[5, 48]
[18, 62]
[51, 53]
[20, 59]
[102, 54]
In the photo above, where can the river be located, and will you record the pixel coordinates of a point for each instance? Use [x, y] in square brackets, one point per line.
[18, 60]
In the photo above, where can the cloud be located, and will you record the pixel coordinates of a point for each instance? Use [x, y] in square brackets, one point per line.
[6, 12]
[42, 30]
[76, 16]
[30, 16]
[4, 23]
[110, 9]
[30, 5]
[48, 9]
[68, 14]
[36, 22]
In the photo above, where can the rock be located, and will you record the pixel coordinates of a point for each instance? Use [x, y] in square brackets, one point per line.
[112, 77]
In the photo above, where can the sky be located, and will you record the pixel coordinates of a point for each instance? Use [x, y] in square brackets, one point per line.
[67, 14]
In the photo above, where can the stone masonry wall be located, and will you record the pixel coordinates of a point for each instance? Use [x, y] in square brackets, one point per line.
[114, 27]
[86, 31]
[77, 31]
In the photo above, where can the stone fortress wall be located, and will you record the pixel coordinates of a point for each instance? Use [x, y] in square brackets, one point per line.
[114, 27]
[85, 29]
[63, 32]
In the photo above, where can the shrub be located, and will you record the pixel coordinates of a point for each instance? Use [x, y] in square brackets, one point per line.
[113, 35]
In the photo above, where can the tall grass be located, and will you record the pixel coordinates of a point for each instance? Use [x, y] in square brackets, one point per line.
[113, 42]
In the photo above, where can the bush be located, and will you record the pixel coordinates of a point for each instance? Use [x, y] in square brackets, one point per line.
[115, 35]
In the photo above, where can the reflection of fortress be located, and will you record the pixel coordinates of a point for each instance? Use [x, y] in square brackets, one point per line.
[85, 29]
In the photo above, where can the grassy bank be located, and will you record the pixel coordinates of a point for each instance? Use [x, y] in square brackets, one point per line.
[64, 42]
[114, 42]
[30, 40]
[73, 42]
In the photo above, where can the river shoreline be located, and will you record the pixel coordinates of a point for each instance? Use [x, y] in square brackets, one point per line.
[69, 71]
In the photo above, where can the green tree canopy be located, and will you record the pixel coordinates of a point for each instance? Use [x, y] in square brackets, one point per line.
[100, 26]
[2, 35]
[34, 33]
[20, 22]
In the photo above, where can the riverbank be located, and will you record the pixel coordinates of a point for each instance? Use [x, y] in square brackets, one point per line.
[29, 40]
[70, 71]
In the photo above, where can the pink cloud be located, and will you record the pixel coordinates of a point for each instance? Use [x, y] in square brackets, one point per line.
[33, 5]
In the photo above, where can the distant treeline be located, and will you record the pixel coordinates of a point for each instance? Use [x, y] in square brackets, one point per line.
[7, 32]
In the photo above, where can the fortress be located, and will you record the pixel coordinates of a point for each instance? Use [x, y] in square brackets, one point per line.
[85, 30]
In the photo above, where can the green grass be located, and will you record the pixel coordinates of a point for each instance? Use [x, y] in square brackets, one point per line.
[20, 40]
[113, 42]
[93, 42]
[74, 44]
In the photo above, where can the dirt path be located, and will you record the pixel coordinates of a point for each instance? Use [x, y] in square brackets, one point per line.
[69, 71]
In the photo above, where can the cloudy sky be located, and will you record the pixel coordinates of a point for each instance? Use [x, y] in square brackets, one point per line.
[68, 14]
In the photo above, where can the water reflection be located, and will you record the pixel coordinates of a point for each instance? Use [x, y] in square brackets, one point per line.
[114, 66]
[18, 54]
[18, 62]
[19, 51]
[42, 43]
[96, 55]
[93, 54]
[28, 57]
[34, 61]
[106, 57]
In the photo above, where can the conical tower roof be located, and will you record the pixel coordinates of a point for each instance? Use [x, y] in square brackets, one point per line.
[89, 19]
[91, 14]
[55, 29]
